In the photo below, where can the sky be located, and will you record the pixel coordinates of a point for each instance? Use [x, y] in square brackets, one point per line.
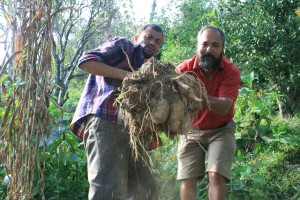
[142, 8]
[2, 20]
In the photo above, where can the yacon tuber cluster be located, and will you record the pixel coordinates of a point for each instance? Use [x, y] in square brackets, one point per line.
[157, 99]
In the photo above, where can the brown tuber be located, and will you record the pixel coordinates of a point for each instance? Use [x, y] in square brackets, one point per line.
[156, 99]
[177, 108]
[159, 113]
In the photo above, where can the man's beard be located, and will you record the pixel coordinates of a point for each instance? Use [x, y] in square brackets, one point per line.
[146, 54]
[209, 62]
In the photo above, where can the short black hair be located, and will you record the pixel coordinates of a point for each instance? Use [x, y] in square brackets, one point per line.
[155, 27]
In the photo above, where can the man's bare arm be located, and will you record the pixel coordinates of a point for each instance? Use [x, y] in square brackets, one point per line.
[219, 105]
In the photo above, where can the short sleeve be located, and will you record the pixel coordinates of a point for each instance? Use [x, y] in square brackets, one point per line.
[230, 84]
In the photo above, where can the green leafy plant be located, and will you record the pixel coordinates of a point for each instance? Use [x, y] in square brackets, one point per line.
[65, 161]
[265, 146]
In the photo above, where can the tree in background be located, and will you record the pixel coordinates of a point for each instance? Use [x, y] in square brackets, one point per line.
[264, 37]
[77, 25]
[181, 27]
[81, 25]
[4, 32]
[41, 29]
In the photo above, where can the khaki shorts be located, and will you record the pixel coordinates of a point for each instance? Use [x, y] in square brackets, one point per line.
[220, 146]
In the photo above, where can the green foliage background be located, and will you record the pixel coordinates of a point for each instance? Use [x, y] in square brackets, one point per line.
[263, 40]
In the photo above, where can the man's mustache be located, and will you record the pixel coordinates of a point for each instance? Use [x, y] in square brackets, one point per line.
[208, 55]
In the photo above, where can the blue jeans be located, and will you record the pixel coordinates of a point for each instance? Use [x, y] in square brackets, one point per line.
[112, 173]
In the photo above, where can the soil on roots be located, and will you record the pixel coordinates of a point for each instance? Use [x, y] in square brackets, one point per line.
[157, 99]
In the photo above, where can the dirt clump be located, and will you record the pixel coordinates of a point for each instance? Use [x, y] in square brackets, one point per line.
[157, 99]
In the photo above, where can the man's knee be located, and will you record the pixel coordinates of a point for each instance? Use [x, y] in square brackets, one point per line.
[215, 178]
[188, 183]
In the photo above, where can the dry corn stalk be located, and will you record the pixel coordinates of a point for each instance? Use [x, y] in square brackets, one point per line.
[26, 118]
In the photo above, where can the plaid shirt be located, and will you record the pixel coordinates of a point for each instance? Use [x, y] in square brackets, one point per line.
[100, 92]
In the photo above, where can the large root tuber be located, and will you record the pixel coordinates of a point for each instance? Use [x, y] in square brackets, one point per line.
[157, 99]
[159, 113]
[177, 109]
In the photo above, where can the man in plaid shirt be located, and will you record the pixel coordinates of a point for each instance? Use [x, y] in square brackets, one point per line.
[111, 173]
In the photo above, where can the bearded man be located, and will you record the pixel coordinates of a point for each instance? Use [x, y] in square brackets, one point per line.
[212, 133]
[112, 172]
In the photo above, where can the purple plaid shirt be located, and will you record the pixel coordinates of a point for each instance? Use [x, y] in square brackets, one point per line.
[100, 92]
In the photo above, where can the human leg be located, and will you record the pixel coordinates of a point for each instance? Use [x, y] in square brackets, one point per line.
[107, 148]
[191, 164]
[217, 186]
[188, 189]
[221, 151]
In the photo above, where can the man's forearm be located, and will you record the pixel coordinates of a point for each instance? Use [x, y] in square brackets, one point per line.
[219, 105]
[102, 69]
